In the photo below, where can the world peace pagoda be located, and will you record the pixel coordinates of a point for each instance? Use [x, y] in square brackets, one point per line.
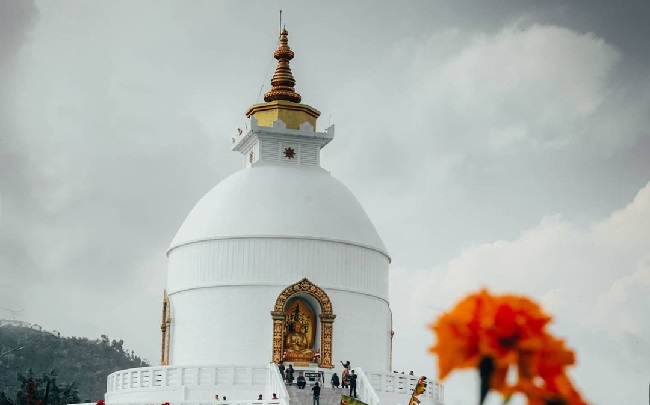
[278, 263]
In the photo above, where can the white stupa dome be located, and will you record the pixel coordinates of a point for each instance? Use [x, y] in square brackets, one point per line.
[280, 201]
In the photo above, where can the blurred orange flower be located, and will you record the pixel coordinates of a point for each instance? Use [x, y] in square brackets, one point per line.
[551, 366]
[486, 325]
[510, 331]
[554, 358]
[559, 391]
[457, 334]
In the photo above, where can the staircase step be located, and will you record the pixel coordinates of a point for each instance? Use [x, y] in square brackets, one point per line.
[328, 395]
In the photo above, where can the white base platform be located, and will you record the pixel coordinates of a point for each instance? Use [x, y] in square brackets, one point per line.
[241, 385]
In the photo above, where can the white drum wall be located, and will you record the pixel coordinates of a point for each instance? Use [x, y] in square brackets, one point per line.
[361, 331]
[233, 326]
[222, 291]
[278, 261]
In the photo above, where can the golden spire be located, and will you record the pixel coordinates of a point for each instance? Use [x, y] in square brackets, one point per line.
[283, 84]
[282, 102]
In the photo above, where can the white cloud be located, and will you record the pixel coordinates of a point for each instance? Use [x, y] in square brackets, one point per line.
[624, 305]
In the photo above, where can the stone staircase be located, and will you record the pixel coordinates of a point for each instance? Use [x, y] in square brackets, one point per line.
[328, 395]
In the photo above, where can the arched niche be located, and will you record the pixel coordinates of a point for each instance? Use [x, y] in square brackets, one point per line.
[305, 291]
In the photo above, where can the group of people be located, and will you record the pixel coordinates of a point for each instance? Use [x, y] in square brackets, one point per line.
[287, 376]
[348, 379]
[287, 373]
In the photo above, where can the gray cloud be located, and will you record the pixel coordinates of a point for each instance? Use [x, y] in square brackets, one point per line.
[16, 20]
[457, 125]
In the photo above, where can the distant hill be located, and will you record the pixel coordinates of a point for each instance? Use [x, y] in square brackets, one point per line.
[86, 362]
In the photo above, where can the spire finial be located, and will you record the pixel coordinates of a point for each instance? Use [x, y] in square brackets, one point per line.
[283, 84]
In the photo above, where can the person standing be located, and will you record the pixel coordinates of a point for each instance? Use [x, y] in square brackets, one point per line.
[289, 374]
[353, 384]
[316, 389]
[281, 368]
[345, 374]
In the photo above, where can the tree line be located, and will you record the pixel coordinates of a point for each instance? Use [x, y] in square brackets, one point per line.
[39, 366]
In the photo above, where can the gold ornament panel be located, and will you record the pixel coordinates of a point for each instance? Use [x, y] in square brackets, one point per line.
[165, 329]
[281, 318]
[297, 312]
[304, 286]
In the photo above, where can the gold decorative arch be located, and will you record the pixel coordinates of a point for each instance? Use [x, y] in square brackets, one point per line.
[165, 328]
[327, 317]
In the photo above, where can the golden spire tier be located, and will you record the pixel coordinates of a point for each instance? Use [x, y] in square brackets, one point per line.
[283, 84]
[282, 102]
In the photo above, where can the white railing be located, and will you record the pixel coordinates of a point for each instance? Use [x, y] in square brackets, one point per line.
[194, 386]
[365, 390]
[170, 376]
[276, 385]
[228, 402]
[404, 384]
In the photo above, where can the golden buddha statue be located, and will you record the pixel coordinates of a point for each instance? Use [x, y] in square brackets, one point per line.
[297, 345]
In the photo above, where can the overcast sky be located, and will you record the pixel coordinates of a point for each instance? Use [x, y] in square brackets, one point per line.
[493, 143]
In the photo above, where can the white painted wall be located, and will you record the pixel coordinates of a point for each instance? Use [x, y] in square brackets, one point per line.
[222, 292]
[361, 331]
[234, 326]
[190, 384]
[222, 325]
[278, 261]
